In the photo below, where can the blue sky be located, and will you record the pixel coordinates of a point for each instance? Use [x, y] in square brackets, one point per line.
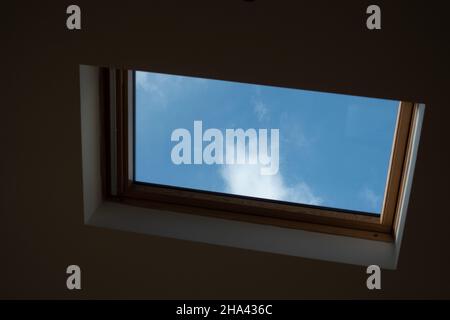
[334, 149]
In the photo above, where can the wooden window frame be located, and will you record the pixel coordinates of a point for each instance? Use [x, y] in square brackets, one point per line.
[117, 104]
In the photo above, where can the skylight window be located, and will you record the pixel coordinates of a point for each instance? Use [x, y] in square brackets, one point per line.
[282, 156]
[295, 146]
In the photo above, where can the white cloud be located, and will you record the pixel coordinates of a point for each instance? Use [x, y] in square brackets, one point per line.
[246, 179]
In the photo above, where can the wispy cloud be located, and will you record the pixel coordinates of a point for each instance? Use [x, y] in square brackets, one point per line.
[260, 110]
[259, 106]
[155, 84]
[293, 133]
[161, 88]
[371, 198]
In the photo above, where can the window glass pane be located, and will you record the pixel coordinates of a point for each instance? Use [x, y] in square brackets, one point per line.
[322, 149]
